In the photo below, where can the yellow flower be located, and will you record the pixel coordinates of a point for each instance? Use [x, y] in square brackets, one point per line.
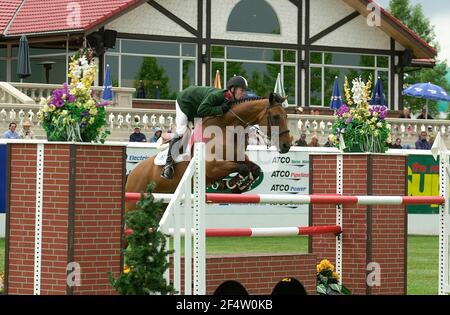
[335, 275]
[93, 111]
[324, 264]
[91, 120]
[126, 269]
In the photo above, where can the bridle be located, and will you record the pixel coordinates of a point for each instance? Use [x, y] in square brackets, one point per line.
[267, 139]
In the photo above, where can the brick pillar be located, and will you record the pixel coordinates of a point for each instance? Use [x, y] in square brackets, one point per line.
[81, 217]
[371, 233]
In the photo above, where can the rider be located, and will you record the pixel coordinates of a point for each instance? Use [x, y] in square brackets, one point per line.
[201, 101]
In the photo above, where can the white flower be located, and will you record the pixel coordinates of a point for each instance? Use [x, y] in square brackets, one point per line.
[379, 124]
[359, 91]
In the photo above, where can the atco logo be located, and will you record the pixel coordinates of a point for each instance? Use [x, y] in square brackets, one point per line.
[288, 174]
[281, 159]
[287, 188]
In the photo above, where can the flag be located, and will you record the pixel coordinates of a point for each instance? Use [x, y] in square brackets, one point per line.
[438, 147]
[107, 93]
[279, 89]
[218, 80]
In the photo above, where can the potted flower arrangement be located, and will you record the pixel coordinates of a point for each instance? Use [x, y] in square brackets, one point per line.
[359, 127]
[71, 113]
[328, 280]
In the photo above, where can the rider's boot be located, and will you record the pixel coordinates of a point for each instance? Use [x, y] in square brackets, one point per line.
[167, 171]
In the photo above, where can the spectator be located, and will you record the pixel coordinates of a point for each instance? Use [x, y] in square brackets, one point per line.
[329, 143]
[26, 132]
[137, 136]
[314, 142]
[302, 141]
[11, 133]
[422, 143]
[424, 114]
[405, 113]
[397, 144]
[156, 136]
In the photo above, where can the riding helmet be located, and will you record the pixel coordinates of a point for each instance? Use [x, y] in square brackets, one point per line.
[237, 81]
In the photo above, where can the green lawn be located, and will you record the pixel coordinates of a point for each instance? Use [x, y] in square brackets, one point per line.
[422, 255]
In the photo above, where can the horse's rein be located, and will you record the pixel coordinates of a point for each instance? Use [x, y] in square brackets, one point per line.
[267, 139]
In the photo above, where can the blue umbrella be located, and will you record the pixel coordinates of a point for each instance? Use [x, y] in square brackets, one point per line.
[107, 93]
[427, 91]
[23, 59]
[378, 97]
[336, 99]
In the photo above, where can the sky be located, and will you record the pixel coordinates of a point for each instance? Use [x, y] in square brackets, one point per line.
[438, 11]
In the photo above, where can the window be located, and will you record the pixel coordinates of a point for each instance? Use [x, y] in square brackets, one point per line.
[2, 63]
[48, 65]
[155, 69]
[324, 67]
[253, 16]
[260, 66]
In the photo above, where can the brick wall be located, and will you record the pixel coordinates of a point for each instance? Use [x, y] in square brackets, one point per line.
[258, 273]
[98, 216]
[371, 234]
[81, 217]
[20, 224]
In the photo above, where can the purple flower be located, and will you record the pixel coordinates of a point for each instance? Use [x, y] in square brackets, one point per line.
[84, 113]
[59, 96]
[380, 110]
[82, 125]
[349, 120]
[342, 110]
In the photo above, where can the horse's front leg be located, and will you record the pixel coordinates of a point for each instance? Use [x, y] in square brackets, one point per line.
[217, 170]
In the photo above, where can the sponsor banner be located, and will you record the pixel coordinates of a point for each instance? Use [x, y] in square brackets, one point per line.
[281, 174]
[138, 154]
[423, 180]
[3, 165]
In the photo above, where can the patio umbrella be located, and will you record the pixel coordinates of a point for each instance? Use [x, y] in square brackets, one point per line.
[218, 80]
[107, 93]
[23, 59]
[378, 94]
[427, 91]
[336, 99]
[279, 89]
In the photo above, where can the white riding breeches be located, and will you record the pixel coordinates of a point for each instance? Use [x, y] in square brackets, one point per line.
[181, 121]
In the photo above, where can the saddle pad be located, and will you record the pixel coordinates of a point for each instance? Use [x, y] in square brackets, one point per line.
[160, 158]
[197, 135]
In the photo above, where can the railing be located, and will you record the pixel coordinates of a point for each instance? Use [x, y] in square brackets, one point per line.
[122, 97]
[9, 94]
[122, 120]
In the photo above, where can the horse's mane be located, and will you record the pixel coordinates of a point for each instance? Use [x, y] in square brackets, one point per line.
[247, 99]
[277, 98]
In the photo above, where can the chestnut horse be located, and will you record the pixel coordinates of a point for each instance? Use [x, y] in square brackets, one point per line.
[266, 112]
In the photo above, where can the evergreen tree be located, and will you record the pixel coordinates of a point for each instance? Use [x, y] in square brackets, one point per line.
[413, 17]
[146, 255]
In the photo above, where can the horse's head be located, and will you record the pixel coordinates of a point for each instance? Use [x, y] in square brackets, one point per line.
[277, 126]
